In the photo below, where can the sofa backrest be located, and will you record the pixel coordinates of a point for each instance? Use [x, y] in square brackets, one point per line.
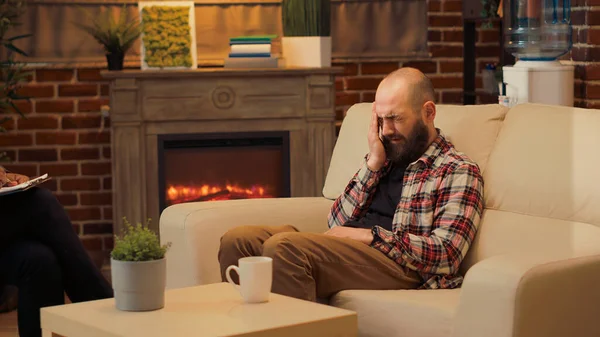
[472, 129]
[542, 185]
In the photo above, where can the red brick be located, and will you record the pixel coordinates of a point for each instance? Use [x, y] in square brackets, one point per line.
[453, 36]
[586, 54]
[67, 199]
[426, 67]
[91, 243]
[15, 139]
[592, 91]
[97, 228]
[593, 36]
[446, 51]
[349, 69]
[109, 243]
[447, 82]
[104, 90]
[35, 91]
[80, 184]
[578, 18]
[38, 155]
[445, 21]
[8, 124]
[452, 6]
[485, 98]
[592, 72]
[343, 98]
[51, 185]
[487, 51]
[107, 183]
[106, 152]
[363, 83]
[107, 213]
[88, 75]
[593, 18]
[367, 97]
[489, 35]
[29, 170]
[32, 123]
[378, 68]
[53, 75]
[94, 199]
[434, 36]
[95, 169]
[592, 3]
[81, 122]
[451, 67]
[94, 137]
[59, 170]
[434, 6]
[9, 154]
[80, 153]
[55, 138]
[54, 106]
[339, 114]
[452, 97]
[580, 35]
[339, 84]
[84, 213]
[77, 90]
[92, 105]
[25, 107]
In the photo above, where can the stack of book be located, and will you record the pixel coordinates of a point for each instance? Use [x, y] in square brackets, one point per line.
[251, 52]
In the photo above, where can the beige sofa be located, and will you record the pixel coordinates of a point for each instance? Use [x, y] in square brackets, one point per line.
[534, 268]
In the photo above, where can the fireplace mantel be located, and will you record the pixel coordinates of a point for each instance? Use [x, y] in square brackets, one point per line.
[146, 104]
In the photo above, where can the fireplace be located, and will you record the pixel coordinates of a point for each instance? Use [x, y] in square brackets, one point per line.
[222, 166]
[166, 126]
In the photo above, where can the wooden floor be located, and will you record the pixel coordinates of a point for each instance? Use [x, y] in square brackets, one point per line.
[8, 324]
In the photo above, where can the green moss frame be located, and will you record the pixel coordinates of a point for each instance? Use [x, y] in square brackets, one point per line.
[168, 39]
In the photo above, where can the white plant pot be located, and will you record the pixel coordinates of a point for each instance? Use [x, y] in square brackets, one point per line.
[139, 286]
[307, 51]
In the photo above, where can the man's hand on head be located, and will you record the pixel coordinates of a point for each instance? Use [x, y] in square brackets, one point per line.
[363, 235]
[377, 156]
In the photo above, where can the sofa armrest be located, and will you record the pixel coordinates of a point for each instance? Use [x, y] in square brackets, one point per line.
[195, 230]
[510, 296]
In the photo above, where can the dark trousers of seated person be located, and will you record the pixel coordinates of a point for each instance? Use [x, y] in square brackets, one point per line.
[310, 265]
[43, 257]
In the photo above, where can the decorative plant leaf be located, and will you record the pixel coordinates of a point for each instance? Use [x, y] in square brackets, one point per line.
[306, 17]
[138, 243]
[116, 36]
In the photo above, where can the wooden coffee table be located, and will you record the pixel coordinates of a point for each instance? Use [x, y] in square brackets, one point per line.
[207, 310]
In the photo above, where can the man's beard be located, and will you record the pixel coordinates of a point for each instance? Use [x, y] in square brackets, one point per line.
[409, 150]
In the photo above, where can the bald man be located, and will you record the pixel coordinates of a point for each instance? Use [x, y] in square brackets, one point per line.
[405, 220]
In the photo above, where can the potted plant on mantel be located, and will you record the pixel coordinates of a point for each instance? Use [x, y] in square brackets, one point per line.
[306, 40]
[139, 269]
[117, 36]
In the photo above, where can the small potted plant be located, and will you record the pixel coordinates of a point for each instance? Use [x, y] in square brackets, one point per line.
[139, 269]
[117, 36]
[306, 40]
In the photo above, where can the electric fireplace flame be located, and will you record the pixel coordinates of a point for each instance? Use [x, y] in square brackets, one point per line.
[181, 193]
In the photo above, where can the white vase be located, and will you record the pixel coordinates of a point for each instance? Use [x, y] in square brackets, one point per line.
[306, 51]
[139, 286]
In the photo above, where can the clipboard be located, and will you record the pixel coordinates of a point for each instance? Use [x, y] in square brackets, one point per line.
[24, 186]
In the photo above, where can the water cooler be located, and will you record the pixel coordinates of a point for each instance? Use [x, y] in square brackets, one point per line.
[537, 33]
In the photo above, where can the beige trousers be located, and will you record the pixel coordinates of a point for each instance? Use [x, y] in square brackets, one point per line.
[310, 266]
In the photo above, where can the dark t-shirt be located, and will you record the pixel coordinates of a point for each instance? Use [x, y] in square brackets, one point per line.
[386, 198]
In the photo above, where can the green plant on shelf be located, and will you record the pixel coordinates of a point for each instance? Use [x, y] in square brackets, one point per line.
[306, 17]
[167, 39]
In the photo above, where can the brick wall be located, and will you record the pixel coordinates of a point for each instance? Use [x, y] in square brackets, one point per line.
[585, 16]
[62, 135]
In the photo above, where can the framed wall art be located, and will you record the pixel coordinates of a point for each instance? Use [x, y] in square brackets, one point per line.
[168, 39]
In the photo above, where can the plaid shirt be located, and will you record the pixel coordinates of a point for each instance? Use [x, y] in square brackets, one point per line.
[436, 218]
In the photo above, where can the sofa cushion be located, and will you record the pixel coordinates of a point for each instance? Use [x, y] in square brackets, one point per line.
[503, 232]
[545, 163]
[472, 129]
[402, 313]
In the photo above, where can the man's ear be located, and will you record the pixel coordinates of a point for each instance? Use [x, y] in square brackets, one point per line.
[429, 109]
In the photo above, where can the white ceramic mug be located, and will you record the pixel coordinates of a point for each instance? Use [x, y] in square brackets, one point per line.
[256, 276]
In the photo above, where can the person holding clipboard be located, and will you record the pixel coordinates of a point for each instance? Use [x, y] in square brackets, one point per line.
[40, 253]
